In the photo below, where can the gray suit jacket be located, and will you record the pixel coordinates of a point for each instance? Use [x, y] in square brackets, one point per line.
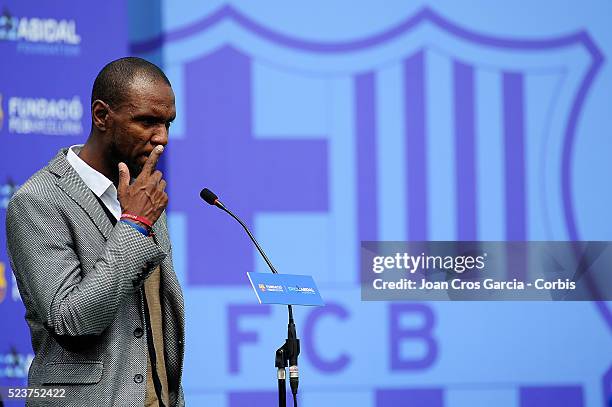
[80, 279]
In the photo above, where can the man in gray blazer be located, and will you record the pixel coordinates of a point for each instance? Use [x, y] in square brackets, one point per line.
[89, 247]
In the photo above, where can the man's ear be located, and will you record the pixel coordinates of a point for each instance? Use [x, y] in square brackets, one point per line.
[99, 114]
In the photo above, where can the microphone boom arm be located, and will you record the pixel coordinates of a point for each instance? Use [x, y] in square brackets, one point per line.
[268, 262]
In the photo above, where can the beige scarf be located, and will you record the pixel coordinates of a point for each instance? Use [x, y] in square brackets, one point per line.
[152, 291]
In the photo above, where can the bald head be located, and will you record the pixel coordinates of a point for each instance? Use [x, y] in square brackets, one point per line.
[114, 82]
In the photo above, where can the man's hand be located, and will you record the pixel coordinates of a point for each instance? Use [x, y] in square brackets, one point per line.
[146, 197]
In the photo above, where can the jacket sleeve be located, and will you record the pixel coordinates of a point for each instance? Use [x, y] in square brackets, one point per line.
[49, 272]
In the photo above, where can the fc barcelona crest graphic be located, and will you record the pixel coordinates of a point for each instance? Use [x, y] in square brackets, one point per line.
[426, 131]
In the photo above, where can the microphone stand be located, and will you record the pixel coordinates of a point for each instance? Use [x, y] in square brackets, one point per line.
[287, 354]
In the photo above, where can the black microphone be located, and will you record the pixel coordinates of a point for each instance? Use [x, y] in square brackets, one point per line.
[291, 349]
[210, 197]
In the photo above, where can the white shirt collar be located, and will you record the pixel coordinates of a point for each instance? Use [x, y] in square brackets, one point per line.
[97, 182]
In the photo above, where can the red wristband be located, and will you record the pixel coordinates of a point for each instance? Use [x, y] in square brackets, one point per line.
[140, 219]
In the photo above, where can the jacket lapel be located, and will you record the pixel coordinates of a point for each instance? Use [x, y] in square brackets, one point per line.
[71, 183]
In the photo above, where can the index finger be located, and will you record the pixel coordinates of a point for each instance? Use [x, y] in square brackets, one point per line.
[151, 163]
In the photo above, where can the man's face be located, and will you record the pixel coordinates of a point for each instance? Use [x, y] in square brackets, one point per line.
[141, 123]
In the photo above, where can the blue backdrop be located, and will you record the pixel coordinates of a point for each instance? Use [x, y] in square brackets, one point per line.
[326, 124]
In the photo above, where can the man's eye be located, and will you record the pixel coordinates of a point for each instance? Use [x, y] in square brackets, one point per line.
[147, 121]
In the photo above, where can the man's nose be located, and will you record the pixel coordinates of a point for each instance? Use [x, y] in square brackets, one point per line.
[161, 136]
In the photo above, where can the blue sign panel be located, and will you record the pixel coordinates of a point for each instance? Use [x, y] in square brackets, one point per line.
[286, 289]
